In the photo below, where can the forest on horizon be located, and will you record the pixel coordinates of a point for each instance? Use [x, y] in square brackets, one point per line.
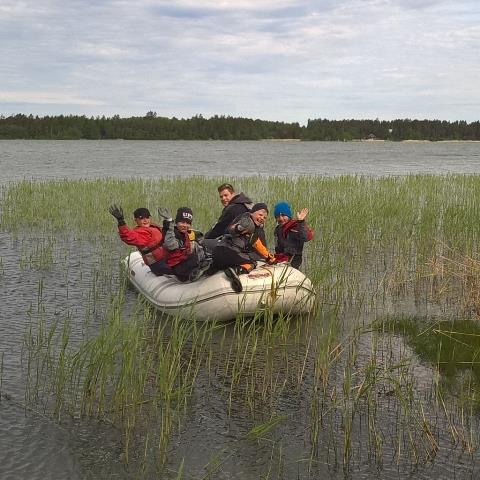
[153, 127]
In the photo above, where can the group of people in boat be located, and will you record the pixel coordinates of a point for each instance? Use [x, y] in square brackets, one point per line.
[234, 244]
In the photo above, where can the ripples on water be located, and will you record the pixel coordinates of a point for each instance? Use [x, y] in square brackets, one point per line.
[43, 159]
[34, 447]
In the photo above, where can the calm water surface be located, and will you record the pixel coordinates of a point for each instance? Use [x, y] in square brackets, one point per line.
[40, 159]
[32, 445]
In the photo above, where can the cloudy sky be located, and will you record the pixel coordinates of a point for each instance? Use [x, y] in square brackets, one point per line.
[272, 59]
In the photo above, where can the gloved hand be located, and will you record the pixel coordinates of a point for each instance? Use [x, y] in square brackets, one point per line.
[271, 260]
[117, 212]
[167, 218]
[245, 225]
[165, 214]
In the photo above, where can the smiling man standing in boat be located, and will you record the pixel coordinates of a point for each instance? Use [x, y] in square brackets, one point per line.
[234, 204]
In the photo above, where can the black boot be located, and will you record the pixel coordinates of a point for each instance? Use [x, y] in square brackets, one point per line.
[234, 280]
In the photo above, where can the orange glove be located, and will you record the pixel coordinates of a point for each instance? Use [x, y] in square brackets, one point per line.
[263, 251]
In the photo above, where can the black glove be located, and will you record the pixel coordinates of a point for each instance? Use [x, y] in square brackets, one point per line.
[117, 212]
[245, 225]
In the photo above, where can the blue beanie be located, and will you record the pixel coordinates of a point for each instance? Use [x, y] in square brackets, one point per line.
[282, 208]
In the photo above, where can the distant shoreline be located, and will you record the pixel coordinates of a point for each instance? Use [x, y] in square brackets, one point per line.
[153, 127]
[379, 140]
[279, 140]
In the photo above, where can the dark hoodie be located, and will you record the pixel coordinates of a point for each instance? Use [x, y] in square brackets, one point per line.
[239, 204]
[289, 241]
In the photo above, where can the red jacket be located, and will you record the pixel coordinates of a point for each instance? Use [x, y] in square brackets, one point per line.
[148, 240]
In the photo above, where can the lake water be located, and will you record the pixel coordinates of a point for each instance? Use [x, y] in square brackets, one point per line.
[32, 159]
[32, 445]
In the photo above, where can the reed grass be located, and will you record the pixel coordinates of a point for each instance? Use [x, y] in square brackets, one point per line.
[1, 374]
[349, 386]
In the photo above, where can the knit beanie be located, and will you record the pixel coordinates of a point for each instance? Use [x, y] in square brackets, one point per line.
[259, 206]
[282, 208]
[141, 213]
[184, 214]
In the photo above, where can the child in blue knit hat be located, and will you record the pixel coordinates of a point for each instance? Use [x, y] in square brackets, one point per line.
[291, 233]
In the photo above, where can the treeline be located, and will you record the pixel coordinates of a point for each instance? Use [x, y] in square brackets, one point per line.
[152, 127]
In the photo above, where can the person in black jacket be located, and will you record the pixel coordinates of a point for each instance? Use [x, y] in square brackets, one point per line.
[240, 248]
[234, 204]
[291, 233]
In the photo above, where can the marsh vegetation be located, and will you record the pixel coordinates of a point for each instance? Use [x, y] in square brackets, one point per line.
[380, 379]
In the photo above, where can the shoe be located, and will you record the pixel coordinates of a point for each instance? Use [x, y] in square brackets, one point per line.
[195, 275]
[199, 272]
[234, 280]
[246, 267]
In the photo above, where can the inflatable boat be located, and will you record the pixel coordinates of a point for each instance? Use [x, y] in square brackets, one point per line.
[277, 288]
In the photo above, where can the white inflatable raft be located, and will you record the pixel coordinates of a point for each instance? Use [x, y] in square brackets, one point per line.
[280, 288]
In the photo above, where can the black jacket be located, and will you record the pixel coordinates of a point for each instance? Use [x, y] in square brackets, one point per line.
[291, 240]
[239, 204]
[236, 248]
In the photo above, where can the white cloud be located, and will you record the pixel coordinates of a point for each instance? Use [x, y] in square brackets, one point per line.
[283, 59]
[42, 97]
[229, 4]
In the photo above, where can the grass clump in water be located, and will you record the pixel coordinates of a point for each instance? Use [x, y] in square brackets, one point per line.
[452, 346]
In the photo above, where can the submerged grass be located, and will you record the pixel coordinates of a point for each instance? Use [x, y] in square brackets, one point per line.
[452, 346]
[349, 389]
